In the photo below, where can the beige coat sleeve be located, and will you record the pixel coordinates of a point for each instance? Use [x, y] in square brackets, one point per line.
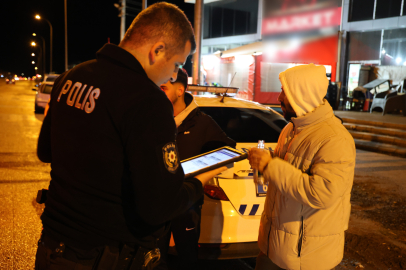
[331, 172]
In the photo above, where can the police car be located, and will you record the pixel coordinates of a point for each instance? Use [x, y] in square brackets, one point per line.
[233, 204]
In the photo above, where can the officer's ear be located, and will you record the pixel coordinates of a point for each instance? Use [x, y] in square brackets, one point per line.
[180, 90]
[156, 52]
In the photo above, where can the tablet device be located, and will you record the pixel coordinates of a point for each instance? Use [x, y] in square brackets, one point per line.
[211, 160]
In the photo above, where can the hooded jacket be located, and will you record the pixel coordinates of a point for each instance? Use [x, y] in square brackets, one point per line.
[307, 207]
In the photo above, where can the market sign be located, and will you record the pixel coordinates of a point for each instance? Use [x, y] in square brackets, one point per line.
[302, 22]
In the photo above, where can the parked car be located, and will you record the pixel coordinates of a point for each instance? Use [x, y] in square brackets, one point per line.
[42, 96]
[51, 77]
[233, 204]
[44, 92]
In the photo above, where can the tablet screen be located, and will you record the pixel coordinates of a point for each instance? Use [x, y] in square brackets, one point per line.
[207, 160]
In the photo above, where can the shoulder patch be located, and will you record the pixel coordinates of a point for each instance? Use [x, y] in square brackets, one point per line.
[171, 157]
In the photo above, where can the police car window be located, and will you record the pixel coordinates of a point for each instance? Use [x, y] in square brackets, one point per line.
[51, 79]
[247, 125]
[280, 123]
[47, 89]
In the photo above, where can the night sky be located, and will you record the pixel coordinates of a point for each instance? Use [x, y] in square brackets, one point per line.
[90, 24]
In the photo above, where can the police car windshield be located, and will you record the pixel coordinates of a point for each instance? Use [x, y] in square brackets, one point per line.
[247, 125]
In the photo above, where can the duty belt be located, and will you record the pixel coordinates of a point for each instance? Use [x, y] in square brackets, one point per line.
[107, 257]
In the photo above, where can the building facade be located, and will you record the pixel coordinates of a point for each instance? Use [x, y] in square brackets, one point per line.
[373, 33]
[247, 43]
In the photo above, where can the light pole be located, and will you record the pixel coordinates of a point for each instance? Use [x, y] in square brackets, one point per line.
[199, 8]
[33, 44]
[122, 8]
[43, 55]
[50, 28]
[66, 35]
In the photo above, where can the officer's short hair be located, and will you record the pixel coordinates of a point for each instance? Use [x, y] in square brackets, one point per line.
[161, 22]
[182, 78]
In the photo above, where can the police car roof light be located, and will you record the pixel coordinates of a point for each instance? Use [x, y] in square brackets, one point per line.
[212, 89]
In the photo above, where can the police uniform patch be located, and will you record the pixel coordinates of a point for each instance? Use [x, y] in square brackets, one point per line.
[170, 155]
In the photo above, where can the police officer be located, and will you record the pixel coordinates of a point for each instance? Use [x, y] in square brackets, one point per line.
[197, 133]
[111, 140]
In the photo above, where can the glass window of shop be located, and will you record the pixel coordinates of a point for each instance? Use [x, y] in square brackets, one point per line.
[387, 8]
[361, 10]
[394, 47]
[230, 18]
[364, 46]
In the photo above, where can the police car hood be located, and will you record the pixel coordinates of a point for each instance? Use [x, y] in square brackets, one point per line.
[189, 108]
[305, 87]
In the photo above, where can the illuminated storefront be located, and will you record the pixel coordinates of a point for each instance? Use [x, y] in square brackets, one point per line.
[292, 33]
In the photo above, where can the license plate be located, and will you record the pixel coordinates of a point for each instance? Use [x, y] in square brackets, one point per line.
[261, 190]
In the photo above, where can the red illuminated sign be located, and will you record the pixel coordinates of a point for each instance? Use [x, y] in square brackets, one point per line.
[228, 60]
[302, 22]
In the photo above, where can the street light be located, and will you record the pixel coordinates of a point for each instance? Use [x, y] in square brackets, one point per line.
[44, 52]
[39, 56]
[50, 28]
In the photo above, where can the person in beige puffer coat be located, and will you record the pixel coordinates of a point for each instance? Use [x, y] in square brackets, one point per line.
[310, 177]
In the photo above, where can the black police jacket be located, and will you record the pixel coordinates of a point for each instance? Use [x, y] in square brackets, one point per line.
[111, 139]
[199, 133]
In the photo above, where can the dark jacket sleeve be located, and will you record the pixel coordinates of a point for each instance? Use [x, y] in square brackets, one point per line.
[160, 193]
[215, 137]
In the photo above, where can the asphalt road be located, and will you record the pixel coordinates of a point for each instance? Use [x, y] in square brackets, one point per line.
[21, 175]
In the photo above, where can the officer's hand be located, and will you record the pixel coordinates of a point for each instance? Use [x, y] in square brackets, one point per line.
[259, 158]
[205, 177]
